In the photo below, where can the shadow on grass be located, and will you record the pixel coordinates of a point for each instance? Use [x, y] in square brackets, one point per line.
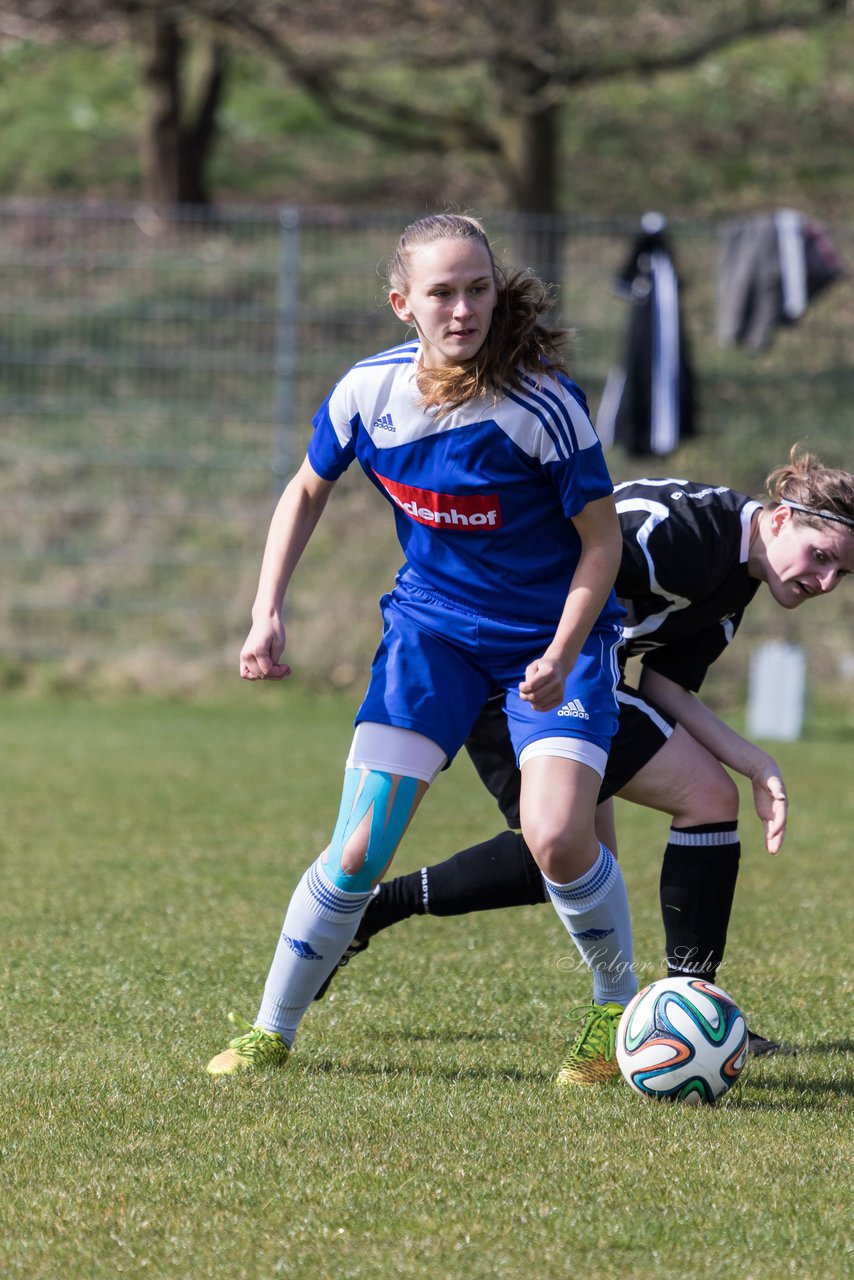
[792, 1094]
[827, 1046]
[410, 1071]
[820, 1049]
[779, 1089]
[441, 1036]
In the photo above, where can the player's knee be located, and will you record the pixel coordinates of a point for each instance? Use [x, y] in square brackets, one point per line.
[559, 852]
[375, 808]
[713, 798]
[354, 854]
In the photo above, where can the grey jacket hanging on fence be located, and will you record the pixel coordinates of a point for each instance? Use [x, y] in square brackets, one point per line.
[648, 403]
[770, 267]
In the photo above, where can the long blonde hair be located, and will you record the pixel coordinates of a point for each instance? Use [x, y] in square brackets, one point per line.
[824, 491]
[517, 341]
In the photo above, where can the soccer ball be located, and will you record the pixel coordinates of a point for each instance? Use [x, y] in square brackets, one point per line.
[683, 1040]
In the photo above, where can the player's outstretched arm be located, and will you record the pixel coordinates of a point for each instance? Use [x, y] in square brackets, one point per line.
[294, 520]
[737, 753]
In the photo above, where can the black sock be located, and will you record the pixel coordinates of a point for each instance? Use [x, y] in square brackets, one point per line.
[697, 887]
[497, 873]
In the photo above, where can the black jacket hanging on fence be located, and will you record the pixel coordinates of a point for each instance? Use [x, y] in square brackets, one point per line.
[648, 404]
[770, 267]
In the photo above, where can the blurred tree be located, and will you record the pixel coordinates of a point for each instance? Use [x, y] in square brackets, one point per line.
[184, 67]
[178, 139]
[489, 76]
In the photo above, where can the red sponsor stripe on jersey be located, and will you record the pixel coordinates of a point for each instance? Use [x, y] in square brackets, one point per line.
[472, 512]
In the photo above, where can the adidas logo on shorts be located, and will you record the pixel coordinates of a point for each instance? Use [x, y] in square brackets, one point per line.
[574, 708]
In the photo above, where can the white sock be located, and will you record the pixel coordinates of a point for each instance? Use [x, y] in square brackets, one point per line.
[319, 926]
[594, 911]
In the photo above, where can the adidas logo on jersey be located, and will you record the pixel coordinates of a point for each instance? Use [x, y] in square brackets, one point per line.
[574, 708]
[383, 423]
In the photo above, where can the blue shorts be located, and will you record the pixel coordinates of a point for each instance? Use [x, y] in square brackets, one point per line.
[438, 662]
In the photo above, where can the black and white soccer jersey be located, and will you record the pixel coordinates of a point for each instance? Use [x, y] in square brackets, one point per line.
[683, 577]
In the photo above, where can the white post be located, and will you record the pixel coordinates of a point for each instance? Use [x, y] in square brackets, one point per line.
[776, 693]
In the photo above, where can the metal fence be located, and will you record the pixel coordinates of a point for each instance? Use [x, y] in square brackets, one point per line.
[158, 374]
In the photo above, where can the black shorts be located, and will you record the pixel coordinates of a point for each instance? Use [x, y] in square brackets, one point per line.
[643, 730]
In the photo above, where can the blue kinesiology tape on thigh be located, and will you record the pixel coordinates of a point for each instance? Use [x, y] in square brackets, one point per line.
[388, 822]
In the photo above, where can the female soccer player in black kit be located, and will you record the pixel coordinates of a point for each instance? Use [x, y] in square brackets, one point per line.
[694, 556]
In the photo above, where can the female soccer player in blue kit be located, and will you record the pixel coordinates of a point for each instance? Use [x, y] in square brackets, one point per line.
[503, 504]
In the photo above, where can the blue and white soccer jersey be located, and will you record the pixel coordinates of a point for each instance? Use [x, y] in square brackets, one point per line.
[483, 499]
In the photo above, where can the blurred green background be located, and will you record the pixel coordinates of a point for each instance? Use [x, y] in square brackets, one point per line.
[159, 363]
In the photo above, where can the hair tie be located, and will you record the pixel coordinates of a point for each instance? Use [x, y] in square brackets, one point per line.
[825, 515]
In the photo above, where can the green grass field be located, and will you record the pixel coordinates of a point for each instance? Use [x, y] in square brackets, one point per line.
[148, 851]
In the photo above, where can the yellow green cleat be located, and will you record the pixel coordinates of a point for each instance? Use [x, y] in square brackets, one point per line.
[592, 1059]
[253, 1048]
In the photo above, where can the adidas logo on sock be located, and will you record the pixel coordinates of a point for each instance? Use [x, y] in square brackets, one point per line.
[384, 422]
[574, 708]
[303, 949]
[591, 935]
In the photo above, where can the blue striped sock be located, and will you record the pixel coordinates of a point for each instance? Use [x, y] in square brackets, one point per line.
[320, 923]
[594, 910]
